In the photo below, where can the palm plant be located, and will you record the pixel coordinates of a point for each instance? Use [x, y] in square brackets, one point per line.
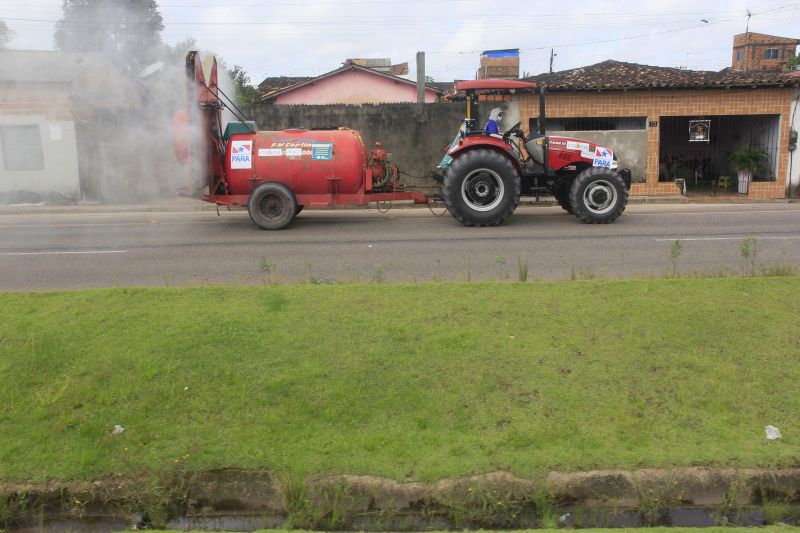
[749, 157]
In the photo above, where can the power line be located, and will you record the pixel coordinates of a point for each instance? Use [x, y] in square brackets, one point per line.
[280, 4]
[625, 38]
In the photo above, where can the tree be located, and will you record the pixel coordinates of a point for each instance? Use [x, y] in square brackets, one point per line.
[6, 34]
[246, 94]
[128, 31]
[180, 49]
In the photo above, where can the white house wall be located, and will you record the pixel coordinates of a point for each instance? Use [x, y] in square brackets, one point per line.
[60, 174]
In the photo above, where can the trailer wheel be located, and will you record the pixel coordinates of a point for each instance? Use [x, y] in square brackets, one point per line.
[481, 188]
[598, 195]
[272, 206]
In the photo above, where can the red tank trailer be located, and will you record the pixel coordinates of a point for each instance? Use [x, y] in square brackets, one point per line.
[276, 173]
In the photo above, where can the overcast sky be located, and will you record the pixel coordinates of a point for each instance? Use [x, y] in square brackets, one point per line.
[310, 37]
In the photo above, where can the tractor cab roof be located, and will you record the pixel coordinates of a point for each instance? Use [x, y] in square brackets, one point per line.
[495, 85]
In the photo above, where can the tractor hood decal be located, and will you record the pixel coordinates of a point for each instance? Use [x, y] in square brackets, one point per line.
[586, 148]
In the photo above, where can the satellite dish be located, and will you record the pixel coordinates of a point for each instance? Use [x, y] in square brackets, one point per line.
[152, 69]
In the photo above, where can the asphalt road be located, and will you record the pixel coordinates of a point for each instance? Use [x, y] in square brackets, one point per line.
[41, 251]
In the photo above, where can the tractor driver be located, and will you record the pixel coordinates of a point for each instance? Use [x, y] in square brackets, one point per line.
[495, 119]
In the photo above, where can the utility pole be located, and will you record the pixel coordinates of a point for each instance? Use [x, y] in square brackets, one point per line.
[420, 77]
[747, 39]
[552, 55]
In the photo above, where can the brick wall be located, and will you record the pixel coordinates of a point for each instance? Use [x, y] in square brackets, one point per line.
[748, 51]
[655, 104]
[50, 100]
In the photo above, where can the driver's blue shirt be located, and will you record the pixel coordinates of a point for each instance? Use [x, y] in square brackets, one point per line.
[491, 127]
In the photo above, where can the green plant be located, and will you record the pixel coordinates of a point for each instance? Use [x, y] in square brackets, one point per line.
[748, 250]
[377, 274]
[680, 170]
[545, 509]
[778, 504]
[334, 511]
[654, 499]
[153, 498]
[297, 504]
[268, 269]
[339, 503]
[675, 251]
[266, 266]
[581, 273]
[780, 269]
[730, 505]
[311, 279]
[488, 509]
[522, 269]
[748, 157]
[350, 276]
[775, 511]
[501, 267]
[13, 508]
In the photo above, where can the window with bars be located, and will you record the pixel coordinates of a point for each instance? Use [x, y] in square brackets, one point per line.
[596, 123]
[771, 53]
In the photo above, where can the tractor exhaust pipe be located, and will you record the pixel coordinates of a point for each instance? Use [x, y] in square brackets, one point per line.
[542, 111]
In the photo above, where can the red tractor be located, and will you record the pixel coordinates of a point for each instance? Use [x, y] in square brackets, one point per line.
[485, 172]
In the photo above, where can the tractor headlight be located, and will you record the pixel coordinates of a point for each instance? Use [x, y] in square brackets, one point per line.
[614, 164]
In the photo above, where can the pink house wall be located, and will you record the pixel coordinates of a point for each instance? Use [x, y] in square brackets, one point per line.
[353, 87]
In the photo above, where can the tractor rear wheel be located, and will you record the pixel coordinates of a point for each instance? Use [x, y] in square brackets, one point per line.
[598, 195]
[481, 188]
[272, 206]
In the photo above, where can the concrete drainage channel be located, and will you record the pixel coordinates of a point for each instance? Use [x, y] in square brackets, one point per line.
[244, 500]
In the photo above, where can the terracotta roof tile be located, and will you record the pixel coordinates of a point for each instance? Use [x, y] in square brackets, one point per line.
[276, 83]
[618, 75]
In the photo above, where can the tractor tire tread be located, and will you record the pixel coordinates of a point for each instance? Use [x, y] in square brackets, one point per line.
[582, 180]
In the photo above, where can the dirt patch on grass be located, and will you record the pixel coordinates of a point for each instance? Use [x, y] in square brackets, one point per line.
[497, 499]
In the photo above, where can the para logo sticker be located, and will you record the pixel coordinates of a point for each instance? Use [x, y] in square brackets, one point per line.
[242, 154]
[603, 157]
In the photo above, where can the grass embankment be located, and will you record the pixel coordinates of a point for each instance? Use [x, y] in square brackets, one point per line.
[411, 382]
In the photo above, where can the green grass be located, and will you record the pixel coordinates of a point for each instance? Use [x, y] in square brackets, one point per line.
[407, 381]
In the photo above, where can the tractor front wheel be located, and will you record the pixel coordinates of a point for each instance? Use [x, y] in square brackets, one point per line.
[272, 206]
[481, 188]
[561, 193]
[598, 195]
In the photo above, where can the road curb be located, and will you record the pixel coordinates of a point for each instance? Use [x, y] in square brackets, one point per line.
[198, 206]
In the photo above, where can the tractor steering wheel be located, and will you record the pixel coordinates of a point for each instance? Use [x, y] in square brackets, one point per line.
[515, 130]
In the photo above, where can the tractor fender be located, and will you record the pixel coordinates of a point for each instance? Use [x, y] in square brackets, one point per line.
[484, 141]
